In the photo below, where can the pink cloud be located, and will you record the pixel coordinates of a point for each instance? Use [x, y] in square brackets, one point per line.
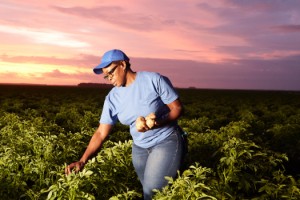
[116, 15]
[287, 28]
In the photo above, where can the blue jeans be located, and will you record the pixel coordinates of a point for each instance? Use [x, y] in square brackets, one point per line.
[154, 163]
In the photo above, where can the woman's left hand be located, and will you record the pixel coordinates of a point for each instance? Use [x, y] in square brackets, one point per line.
[150, 120]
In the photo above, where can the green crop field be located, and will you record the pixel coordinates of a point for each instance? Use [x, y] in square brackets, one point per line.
[242, 145]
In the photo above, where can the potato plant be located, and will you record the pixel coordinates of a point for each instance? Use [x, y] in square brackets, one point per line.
[242, 145]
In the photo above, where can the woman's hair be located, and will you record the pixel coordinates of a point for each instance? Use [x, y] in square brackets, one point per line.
[128, 65]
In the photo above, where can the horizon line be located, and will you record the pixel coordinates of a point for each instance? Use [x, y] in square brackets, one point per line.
[105, 84]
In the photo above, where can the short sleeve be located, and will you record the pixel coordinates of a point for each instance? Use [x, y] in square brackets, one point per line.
[166, 90]
[108, 115]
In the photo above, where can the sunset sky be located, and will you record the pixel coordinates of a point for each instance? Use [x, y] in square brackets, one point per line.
[228, 44]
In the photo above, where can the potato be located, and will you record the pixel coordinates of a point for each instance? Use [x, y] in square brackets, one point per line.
[140, 123]
[150, 120]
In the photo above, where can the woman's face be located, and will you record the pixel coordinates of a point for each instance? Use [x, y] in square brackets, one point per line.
[115, 74]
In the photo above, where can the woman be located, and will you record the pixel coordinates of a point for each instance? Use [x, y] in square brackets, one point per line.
[149, 105]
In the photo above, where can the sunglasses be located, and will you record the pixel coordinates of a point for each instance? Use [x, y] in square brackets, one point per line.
[110, 74]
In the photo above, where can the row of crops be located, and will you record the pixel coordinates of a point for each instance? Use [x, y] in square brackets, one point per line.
[242, 145]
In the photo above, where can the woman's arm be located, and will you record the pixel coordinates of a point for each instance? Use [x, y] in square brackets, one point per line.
[94, 146]
[176, 110]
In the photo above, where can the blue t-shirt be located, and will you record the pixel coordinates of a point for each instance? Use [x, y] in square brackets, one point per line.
[150, 92]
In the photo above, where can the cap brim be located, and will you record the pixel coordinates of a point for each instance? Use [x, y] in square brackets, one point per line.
[98, 68]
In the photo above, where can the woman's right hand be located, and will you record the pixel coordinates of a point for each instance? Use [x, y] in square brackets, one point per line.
[77, 165]
[141, 125]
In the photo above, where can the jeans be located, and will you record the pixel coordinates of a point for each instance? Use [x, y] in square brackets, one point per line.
[154, 163]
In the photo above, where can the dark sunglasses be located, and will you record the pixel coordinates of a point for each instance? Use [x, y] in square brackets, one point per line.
[111, 72]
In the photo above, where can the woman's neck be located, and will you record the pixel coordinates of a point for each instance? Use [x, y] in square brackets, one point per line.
[130, 77]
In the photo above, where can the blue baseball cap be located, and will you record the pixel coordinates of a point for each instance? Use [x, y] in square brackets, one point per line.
[108, 57]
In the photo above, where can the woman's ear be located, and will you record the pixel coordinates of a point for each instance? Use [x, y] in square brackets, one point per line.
[123, 65]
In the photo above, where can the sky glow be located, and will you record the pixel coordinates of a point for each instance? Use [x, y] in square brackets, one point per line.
[228, 44]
